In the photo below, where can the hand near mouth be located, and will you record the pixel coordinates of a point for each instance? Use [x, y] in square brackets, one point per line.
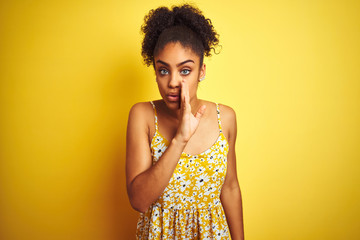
[188, 121]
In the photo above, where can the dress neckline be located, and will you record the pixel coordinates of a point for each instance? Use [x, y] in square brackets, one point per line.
[167, 142]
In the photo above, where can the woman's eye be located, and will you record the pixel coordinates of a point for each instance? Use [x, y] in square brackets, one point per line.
[185, 72]
[163, 71]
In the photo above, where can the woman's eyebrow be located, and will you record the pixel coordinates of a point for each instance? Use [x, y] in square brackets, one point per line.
[179, 64]
[182, 63]
[164, 63]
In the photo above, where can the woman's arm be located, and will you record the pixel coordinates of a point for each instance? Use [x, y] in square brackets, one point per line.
[230, 192]
[145, 181]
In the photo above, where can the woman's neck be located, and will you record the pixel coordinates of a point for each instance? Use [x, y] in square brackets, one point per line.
[195, 103]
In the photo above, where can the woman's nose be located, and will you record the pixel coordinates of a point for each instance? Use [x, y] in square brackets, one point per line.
[175, 81]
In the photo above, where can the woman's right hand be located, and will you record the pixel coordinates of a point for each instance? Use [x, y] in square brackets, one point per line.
[188, 122]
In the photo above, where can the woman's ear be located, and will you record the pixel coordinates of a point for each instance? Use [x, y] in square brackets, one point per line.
[202, 72]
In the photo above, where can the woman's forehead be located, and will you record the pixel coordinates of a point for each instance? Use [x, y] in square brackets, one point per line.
[176, 52]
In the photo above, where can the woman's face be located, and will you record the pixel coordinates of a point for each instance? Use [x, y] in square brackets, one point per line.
[172, 64]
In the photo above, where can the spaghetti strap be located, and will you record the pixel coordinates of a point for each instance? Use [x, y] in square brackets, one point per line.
[218, 116]
[156, 124]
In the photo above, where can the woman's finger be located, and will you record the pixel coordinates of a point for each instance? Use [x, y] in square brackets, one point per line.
[182, 95]
[200, 112]
[187, 97]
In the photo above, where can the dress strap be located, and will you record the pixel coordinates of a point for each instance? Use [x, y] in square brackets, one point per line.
[156, 124]
[218, 116]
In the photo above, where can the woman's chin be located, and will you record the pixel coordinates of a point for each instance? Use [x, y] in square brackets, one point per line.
[173, 105]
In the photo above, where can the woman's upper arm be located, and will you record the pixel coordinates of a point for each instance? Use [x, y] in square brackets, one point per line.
[229, 122]
[138, 152]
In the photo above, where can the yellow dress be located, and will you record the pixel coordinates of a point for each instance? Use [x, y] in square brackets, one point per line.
[189, 207]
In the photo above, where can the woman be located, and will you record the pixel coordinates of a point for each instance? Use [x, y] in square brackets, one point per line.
[180, 150]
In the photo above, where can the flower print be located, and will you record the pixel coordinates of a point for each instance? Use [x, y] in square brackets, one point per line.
[215, 227]
[219, 156]
[177, 195]
[201, 180]
[184, 185]
[211, 160]
[201, 205]
[218, 235]
[191, 199]
[210, 189]
[159, 150]
[179, 176]
[207, 228]
[216, 201]
[194, 189]
[167, 197]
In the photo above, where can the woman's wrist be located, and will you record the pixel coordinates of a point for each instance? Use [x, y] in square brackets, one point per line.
[177, 140]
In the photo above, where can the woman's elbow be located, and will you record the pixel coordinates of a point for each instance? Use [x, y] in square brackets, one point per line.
[138, 204]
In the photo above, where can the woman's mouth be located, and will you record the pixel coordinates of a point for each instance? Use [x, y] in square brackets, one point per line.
[173, 97]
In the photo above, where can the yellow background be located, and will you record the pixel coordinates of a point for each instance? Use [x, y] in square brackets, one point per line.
[71, 70]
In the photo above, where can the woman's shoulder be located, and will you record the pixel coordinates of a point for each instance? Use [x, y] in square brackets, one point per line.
[228, 119]
[141, 111]
[225, 110]
[140, 107]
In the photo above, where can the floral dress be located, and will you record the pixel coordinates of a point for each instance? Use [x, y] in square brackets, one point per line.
[189, 207]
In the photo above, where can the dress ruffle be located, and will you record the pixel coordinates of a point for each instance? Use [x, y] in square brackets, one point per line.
[159, 223]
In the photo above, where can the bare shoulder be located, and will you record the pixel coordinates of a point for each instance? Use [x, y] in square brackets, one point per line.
[141, 116]
[140, 108]
[227, 113]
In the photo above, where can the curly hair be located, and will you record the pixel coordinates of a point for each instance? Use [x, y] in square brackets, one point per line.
[184, 24]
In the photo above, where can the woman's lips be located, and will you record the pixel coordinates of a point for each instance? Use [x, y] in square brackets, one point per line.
[173, 97]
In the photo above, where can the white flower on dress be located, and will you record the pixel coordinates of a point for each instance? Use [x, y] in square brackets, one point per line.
[191, 199]
[159, 150]
[210, 189]
[221, 169]
[179, 176]
[184, 185]
[201, 180]
[211, 159]
[216, 201]
[201, 205]
[222, 145]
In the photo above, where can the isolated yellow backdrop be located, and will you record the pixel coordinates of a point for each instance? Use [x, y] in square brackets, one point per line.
[71, 70]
